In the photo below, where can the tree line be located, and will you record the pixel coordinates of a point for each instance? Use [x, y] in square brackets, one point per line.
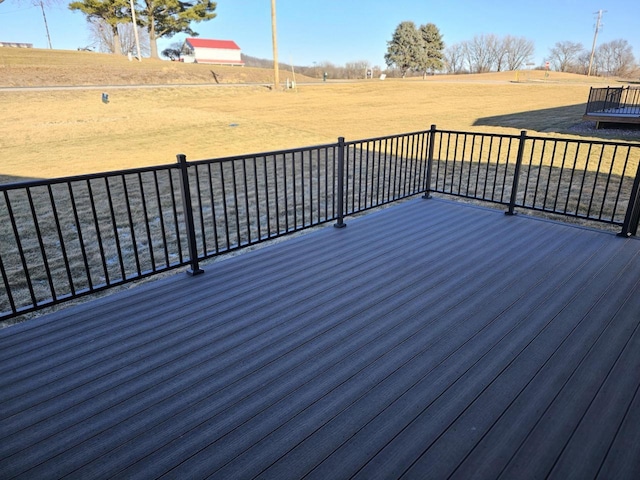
[487, 53]
[610, 58]
[421, 50]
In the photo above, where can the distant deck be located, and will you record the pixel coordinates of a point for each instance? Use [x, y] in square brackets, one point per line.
[613, 105]
[617, 115]
[425, 340]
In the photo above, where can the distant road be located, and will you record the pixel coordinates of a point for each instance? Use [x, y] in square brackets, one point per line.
[470, 79]
[116, 87]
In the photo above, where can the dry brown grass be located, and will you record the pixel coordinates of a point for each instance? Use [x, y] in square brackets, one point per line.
[57, 133]
[38, 67]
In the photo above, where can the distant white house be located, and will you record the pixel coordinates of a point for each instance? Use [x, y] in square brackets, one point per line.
[15, 44]
[214, 52]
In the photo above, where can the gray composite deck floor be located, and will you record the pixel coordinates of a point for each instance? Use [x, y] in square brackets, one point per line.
[426, 340]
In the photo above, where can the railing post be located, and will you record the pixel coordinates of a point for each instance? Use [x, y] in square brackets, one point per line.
[340, 223]
[516, 174]
[632, 216]
[589, 101]
[432, 141]
[188, 216]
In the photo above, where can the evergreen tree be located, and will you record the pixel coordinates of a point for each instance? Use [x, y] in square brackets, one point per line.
[165, 18]
[419, 49]
[404, 48]
[432, 51]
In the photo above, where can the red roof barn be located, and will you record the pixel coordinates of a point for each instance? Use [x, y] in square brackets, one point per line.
[215, 52]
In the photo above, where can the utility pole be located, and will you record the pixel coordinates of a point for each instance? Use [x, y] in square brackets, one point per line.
[275, 46]
[135, 29]
[595, 37]
[41, 3]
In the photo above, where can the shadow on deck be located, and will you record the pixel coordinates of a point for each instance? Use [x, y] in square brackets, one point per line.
[426, 340]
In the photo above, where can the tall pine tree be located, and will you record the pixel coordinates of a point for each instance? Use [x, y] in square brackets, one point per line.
[432, 51]
[403, 50]
[417, 49]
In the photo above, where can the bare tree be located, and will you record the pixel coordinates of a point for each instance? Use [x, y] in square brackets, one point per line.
[103, 38]
[496, 52]
[454, 58]
[518, 51]
[564, 55]
[357, 69]
[128, 40]
[488, 52]
[615, 58]
[478, 54]
[330, 69]
[110, 13]
[173, 51]
[581, 64]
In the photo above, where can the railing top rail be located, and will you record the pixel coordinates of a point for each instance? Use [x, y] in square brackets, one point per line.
[87, 176]
[385, 137]
[261, 154]
[585, 141]
[622, 87]
[484, 134]
[90, 176]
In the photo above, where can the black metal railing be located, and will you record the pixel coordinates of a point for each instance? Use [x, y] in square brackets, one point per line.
[614, 100]
[592, 180]
[382, 170]
[241, 201]
[68, 237]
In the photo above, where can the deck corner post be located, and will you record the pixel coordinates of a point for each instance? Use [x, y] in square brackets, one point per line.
[432, 141]
[632, 216]
[188, 216]
[516, 174]
[341, 192]
[587, 110]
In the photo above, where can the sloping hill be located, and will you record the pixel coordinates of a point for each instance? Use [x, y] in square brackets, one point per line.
[33, 67]
[526, 76]
[41, 67]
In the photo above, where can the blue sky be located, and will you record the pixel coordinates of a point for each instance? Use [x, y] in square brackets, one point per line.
[341, 31]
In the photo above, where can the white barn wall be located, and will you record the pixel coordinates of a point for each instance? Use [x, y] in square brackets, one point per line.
[209, 51]
[203, 54]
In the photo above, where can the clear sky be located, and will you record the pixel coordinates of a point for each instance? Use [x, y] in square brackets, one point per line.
[341, 31]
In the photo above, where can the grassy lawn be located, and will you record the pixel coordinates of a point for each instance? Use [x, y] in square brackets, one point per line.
[55, 133]
[49, 134]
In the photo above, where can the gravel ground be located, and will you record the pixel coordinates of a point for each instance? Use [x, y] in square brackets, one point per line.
[590, 129]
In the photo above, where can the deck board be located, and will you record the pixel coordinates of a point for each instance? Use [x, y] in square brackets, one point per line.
[426, 339]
